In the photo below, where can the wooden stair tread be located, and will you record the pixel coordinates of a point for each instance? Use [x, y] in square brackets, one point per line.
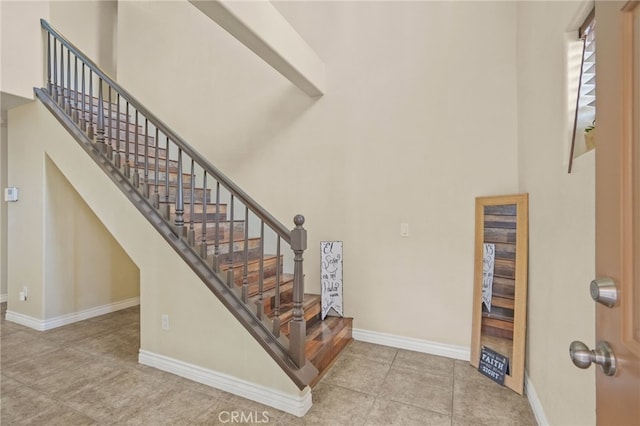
[268, 288]
[238, 258]
[324, 342]
[286, 294]
[286, 309]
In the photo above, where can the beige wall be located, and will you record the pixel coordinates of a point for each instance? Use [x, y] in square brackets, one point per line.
[21, 58]
[85, 267]
[91, 26]
[562, 210]
[3, 208]
[198, 321]
[407, 132]
[57, 248]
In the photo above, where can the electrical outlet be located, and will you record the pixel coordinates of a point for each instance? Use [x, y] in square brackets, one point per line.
[23, 294]
[165, 321]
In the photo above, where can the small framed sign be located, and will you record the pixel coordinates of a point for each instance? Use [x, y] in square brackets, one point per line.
[493, 365]
[331, 277]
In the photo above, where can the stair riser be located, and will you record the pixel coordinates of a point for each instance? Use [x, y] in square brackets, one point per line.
[76, 97]
[198, 209]
[223, 230]
[197, 218]
[173, 178]
[253, 270]
[198, 196]
[151, 141]
[311, 316]
[286, 297]
[238, 246]
[92, 116]
[121, 146]
[341, 338]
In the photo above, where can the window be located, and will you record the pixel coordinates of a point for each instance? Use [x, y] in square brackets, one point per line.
[583, 136]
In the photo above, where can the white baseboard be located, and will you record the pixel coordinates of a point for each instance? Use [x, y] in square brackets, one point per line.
[43, 325]
[3, 298]
[534, 402]
[409, 343]
[297, 405]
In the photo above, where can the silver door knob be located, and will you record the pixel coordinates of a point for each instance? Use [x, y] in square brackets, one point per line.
[603, 290]
[603, 355]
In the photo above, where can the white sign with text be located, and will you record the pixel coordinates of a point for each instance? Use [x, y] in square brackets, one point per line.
[331, 277]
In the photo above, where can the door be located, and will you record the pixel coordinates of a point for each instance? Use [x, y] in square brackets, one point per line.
[618, 206]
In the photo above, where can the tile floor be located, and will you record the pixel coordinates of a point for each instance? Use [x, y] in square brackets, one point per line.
[87, 374]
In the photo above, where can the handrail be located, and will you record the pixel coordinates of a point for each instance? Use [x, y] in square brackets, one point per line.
[256, 208]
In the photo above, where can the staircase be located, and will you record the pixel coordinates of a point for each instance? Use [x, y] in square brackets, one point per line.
[248, 259]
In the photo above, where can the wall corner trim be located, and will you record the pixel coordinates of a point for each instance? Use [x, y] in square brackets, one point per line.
[297, 405]
[43, 325]
[534, 401]
[409, 343]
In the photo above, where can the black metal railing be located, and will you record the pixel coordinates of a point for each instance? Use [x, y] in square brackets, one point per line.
[239, 240]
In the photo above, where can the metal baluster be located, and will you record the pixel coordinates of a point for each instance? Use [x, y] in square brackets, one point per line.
[205, 201]
[166, 181]
[245, 272]
[298, 326]
[216, 240]
[76, 95]
[191, 236]
[54, 92]
[230, 273]
[109, 124]
[49, 85]
[276, 304]
[136, 175]
[260, 301]
[100, 130]
[179, 196]
[156, 170]
[90, 130]
[67, 99]
[61, 86]
[127, 165]
[83, 120]
[117, 155]
[145, 180]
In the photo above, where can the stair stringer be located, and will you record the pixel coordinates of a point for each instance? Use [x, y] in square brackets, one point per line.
[203, 331]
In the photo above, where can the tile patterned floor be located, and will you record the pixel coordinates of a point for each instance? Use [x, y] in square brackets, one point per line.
[87, 374]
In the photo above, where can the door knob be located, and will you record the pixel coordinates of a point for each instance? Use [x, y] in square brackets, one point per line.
[603, 290]
[603, 355]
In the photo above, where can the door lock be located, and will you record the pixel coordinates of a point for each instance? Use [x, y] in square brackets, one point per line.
[603, 355]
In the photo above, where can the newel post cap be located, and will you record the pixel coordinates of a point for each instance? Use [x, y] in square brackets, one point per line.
[298, 234]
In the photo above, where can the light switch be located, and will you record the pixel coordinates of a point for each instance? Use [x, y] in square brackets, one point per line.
[11, 194]
[404, 229]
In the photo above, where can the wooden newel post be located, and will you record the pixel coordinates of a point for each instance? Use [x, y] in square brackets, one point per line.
[298, 326]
